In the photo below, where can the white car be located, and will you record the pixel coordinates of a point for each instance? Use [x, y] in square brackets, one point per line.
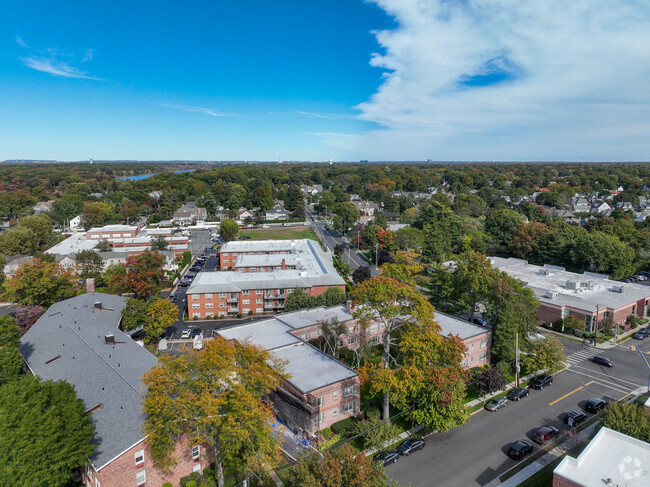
[186, 333]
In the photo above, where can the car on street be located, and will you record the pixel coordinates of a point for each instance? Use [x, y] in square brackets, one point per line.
[409, 446]
[595, 405]
[540, 381]
[196, 332]
[517, 393]
[496, 403]
[184, 283]
[574, 418]
[600, 360]
[640, 335]
[520, 449]
[545, 433]
[640, 277]
[190, 276]
[387, 457]
[186, 333]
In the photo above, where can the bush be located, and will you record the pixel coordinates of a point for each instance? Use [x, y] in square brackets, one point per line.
[343, 426]
[192, 480]
[167, 484]
[250, 313]
[326, 432]
[373, 414]
[191, 483]
[238, 315]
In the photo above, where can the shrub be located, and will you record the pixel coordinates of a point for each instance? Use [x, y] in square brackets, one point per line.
[326, 432]
[250, 313]
[373, 414]
[343, 426]
[195, 318]
[191, 483]
[192, 480]
[167, 484]
[238, 315]
[331, 442]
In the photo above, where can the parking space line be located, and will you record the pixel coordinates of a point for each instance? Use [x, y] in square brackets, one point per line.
[609, 376]
[567, 395]
[604, 383]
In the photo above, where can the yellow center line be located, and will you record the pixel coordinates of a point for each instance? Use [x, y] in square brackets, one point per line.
[569, 393]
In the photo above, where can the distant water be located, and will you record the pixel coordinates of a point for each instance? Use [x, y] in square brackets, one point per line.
[140, 177]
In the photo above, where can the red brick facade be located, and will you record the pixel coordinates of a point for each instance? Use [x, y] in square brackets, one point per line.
[562, 482]
[125, 472]
[550, 313]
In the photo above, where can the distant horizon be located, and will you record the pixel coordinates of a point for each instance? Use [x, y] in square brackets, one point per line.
[241, 161]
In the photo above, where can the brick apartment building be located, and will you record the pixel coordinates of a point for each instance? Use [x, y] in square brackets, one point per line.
[265, 273]
[589, 297]
[78, 340]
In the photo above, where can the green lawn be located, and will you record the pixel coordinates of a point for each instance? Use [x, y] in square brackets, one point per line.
[544, 478]
[279, 233]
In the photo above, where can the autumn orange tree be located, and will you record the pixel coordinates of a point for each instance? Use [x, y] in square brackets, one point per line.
[214, 397]
[40, 283]
[143, 275]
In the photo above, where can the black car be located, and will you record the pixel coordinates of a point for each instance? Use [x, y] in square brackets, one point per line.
[520, 449]
[190, 276]
[409, 446]
[184, 283]
[544, 434]
[517, 393]
[387, 457]
[540, 381]
[574, 418]
[640, 335]
[196, 332]
[595, 405]
[600, 360]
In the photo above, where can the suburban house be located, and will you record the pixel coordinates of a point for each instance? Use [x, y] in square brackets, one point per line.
[78, 340]
[243, 215]
[189, 213]
[610, 459]
[220, 213]
[257, 276]
[278, 212]
[591, 298]
[43, 206]
[366, 208]
[14, 262]
[74, 223]
[311, 190]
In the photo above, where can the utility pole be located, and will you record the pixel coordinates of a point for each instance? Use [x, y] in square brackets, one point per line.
[633, 348]
[596, 326]
[376, 252]
[517, 367]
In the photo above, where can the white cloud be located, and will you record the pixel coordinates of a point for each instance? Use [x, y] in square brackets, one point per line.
[575, 81]
[21, 42]
[194, 109]
[55, 67]
[90, 53]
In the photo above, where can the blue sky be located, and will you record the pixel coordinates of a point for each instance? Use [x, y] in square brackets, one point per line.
[342, 79]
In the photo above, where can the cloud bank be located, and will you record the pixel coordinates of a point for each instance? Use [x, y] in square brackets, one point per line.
[510, 80]
[55, 61]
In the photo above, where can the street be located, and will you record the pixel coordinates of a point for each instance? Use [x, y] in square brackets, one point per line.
[332, 238]
[474, 454]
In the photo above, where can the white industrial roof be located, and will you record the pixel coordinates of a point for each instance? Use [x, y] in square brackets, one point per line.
[114, 228]
[268, 260]
[610, 455]
[556, 286]
[261, 245]
[73, 245]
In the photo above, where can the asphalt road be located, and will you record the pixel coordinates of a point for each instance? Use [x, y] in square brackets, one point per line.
[474, 454]
[331, 238]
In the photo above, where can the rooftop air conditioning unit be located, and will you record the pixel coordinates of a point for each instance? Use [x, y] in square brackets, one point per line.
[617, 289]
[552, 294]
[572, 284]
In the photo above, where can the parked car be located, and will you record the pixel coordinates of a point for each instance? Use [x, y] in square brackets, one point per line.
[594, 405]
[387, 457]
[496, 403]
[600, 360]
[574, 418]
[640, 335]
[190, 276]
[409, 446]
[520, 449]
[540, 381]
[184, 283]
[196, 332]
[517, 393]
[544, 434]
[479, 321]
[640, 278]
[186, 333]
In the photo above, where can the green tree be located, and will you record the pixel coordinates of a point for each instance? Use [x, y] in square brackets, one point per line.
[96, 214]
[228, 229]
[39, 224]
[331, 297]
[547, 354]
[143, 275]
[630, 419]
[43, 425]
[215, 397]
[299, 299]
[381, 219]
[91, 264]
[103, 246]
[346, 215]
[159, 243]
[68, 206]
[41, 283]
[161, 315]
[391, 303]
[338, 468]
[408, 238]
[264, 197]
[375, 432]
[11, 362]
[341, 267]
[500, 224]
[19, 240]
[134, 314]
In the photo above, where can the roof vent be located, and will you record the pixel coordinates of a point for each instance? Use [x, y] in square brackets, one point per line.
[551, 294]
[110, 339]
[98, 305]
[617, 289]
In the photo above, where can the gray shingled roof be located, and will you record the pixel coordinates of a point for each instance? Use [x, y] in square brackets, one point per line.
[108, 375]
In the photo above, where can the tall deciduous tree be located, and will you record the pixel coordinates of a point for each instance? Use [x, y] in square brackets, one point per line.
[299, 299]
[346, 215]
[162, 314]
[215, 397]
[143, 275]
[11, 361]
[40, 283]
[228, 229]
[544, 354]
[361, 274]
[391, 303]
[338, 468]
[45, 432]
[91, 264]
[629, 419]
[489, 380]
[19, 240]
[134, 314]
[39, 224]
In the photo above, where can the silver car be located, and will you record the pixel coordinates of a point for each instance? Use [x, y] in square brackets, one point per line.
[496, 403]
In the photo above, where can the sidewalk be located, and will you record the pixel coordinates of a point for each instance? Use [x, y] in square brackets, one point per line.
[600, 346]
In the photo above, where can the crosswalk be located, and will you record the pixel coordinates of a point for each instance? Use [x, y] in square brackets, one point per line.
[582, 355]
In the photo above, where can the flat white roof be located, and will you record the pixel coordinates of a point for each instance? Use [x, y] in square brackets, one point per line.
[610, 455]
[114, 228]
[308, 317]
[261, 245]
[455, 326]
[266, 334]
[74, 244]
[587, 291]
[268, 260]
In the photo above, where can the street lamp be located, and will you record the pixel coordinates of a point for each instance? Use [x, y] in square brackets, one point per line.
[517, 359]
[633, 348]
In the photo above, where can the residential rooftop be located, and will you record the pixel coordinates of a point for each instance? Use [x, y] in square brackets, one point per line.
[455, 326]
[69, 343]
[610, 455]
[555, 285]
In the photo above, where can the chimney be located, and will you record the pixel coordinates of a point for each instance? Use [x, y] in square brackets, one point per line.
[109, 339]
[348, 307]
[90, 285]
[284, 264]
[98, 305]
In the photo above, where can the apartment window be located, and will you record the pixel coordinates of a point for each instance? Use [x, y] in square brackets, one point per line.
[374, 339]
[245, 292]
[139, 458]
[349, 407]
[196, 306]
[317, 402]
[304, 336]
[341, 343]
[117, 235]
[321, 417]
[472, 346]
[259, 310]
[196, 315]
[353, 340]
[246, 310]
[565, 313]
[483, 343]
[259, 301]
[209, 305]
[222, 313]
[208, 296]
[348, 391]
[374, 327]
[351, 329]
[335, 395]
[209, 315]
[97, 484]
[196, 452]
[197, 468]
[464, 363]
[253, 269]
[222, 305]
[246, 301]
[289, 291]
[222, 295]
[259, 292]
[482, 356]
[471, 359]
[335, 412]
[140, 478]
[89, 472]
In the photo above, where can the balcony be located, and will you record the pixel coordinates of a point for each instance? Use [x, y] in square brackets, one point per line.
[233, 310]
[233, 300]
[275, 296]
